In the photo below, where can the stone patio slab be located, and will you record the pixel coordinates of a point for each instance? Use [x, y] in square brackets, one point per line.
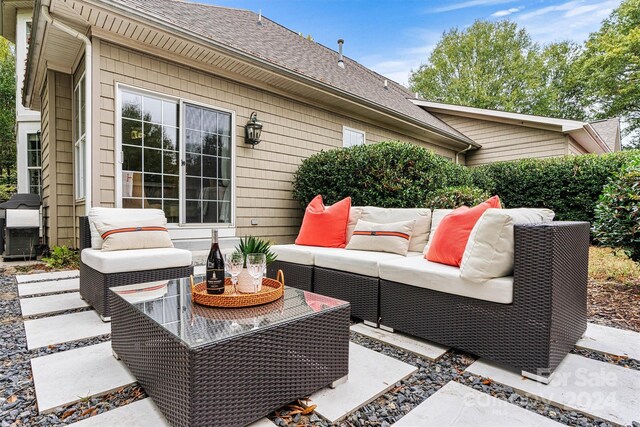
[54, 275]
[596, 388]
[370, 375]
[264, 422]
[458, 405]
[68, 376]
[617, 342]
[420, 347]
[51, 304]
[64, 328]
[48, 287]
[141, 413]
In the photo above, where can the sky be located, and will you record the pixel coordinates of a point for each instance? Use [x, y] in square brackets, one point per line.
[393, 37]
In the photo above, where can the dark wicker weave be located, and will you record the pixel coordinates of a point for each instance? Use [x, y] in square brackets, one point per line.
[94, 285]
[534, 333]
[295, 275]
[360, 291]
[234, 381]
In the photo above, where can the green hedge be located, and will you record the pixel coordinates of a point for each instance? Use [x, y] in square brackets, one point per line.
[388, 174]
[454, 197]
[569, 185]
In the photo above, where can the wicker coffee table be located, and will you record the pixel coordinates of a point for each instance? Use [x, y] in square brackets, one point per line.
[205, 366]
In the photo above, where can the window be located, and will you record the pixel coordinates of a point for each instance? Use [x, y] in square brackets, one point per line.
[181, 168]
[351, 137]
[34, 163]
[80, 135]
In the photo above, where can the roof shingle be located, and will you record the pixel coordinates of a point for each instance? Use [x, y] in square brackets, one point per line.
[270, 41]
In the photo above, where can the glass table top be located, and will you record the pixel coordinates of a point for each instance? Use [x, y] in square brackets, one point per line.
[168, 303]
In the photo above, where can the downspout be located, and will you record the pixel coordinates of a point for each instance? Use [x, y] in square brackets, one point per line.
[463, 151]
[88, 100]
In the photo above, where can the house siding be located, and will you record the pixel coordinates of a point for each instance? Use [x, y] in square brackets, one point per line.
[575, 148]
[501, 141]
[57, 160]
[292, 131]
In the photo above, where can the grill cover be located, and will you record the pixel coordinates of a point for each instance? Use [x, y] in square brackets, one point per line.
[22, 201]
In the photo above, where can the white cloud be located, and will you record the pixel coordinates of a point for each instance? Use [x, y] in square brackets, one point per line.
[507, 12]
[572, 20]
[468, 4]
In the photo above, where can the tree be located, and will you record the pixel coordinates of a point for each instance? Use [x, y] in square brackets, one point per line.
[7, 108]
[610, 68]
[496, 65]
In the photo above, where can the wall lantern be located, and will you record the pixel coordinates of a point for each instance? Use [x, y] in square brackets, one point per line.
[252, 130]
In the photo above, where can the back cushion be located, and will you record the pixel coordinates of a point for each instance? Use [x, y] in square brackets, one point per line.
[325, 226]
[489, 251]
[118, 214]
[436, 217]
[354, 215]
[392, 237]
[389, 215]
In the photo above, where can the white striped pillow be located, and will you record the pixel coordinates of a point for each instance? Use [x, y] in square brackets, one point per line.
[392, 237]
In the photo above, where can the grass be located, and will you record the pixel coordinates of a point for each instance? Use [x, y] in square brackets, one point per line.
[608, 265]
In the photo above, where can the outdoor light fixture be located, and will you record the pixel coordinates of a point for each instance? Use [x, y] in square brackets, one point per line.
[252, 130]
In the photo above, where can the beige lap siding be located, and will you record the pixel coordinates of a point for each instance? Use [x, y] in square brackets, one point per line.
[57, 160]
[292, 131]
[502, 141]
[574, 147]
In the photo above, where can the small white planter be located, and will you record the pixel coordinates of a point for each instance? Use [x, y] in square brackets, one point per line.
[245, 283]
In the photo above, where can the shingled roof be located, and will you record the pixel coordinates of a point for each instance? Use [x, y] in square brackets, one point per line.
[270, 41]
[608, 130]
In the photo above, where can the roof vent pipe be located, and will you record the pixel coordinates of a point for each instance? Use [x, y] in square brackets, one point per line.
[260, 17]
[386, 84]
[340, 60]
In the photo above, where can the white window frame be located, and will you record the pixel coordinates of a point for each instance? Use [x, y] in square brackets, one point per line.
[187, 230]
[39, 167]
[346, 134]
[79, 141]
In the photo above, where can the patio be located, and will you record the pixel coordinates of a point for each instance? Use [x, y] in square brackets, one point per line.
[394, 379]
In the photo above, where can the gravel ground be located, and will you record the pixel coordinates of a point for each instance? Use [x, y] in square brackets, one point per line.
[18, 405]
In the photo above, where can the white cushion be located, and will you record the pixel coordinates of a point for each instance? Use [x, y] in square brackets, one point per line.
[109, 214]
[422, 216]
[126, 234]
[436, 217]
[299, 254]
[357, 262]
[391, 237]
[417, 271]
[135, 259]
[489, 251]
[354, 215]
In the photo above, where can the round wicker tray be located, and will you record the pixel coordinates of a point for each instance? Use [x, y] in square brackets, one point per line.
[271, 291]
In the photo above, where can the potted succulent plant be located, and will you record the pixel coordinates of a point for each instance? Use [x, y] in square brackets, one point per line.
[252, 245]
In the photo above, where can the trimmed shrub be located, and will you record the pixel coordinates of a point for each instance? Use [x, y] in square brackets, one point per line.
[387, 174]
[454, 197]
[617, 214]
[569, 185]
[62, 257]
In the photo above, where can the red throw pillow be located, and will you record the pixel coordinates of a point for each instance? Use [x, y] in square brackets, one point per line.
[451, 236]
[325, 226]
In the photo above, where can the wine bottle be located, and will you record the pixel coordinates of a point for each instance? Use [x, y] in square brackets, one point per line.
[215, 267]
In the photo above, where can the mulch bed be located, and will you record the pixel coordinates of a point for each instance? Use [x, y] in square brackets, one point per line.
[614, 304]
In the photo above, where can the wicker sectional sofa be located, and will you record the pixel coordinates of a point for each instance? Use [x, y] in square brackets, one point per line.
[528, 321]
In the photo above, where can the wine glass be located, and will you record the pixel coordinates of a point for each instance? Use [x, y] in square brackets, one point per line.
[234, 262]
[256, 264]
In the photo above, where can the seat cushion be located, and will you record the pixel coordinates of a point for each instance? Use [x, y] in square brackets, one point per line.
[490, 250]
[325, 225]
[392, 237]
[417, 271]
[299, 254]
[118, 214]
[357, 262]
[422, 216]
[135, 259]
[450, 239]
